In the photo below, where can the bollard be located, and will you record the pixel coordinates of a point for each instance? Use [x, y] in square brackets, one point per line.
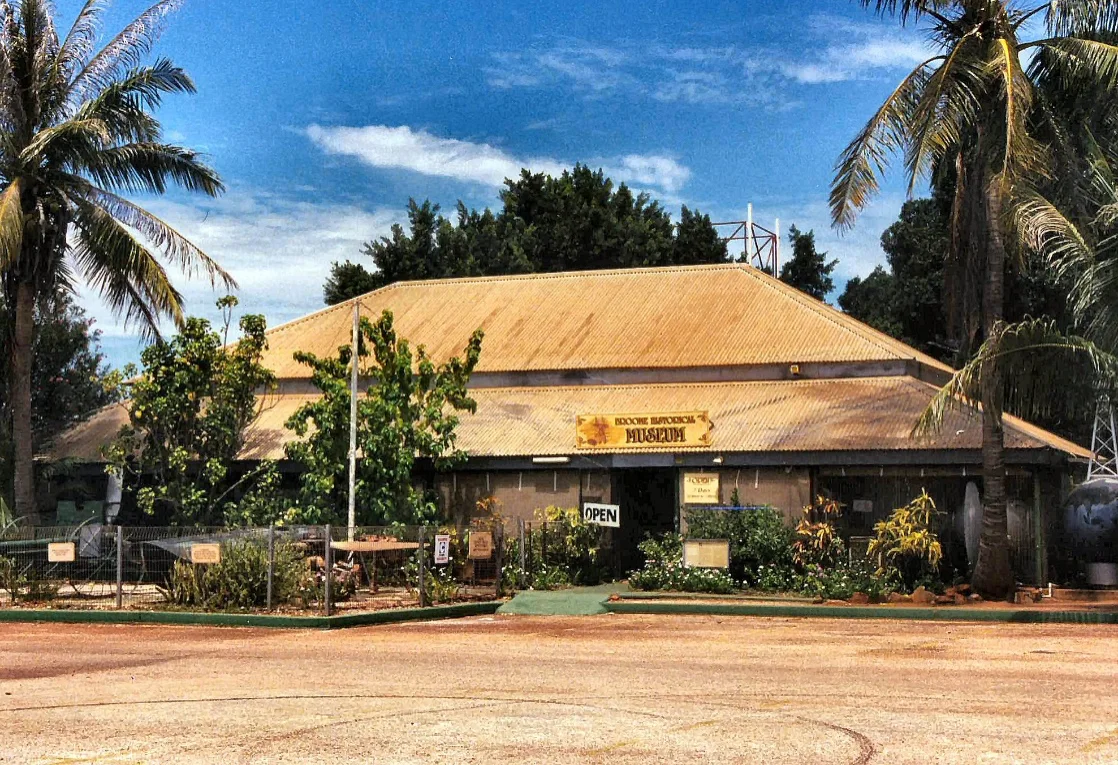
[520, 531]
[328, 561]
[422, 578]
[271, 561]
[120, 567]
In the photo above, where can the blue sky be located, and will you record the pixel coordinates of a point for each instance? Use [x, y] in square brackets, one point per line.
[324, 118]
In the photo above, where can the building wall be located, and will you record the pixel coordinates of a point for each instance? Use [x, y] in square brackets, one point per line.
[787, 489]
[519, 493]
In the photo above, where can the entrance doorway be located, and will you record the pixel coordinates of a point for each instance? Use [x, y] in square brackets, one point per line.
[648, 507]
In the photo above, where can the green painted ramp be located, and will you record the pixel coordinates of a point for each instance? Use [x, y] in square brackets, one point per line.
[556, 603]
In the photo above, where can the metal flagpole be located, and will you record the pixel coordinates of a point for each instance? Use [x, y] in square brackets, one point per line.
[353, 422]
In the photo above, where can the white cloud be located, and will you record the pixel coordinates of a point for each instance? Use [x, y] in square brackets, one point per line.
[833, 49]
[421, 152]
[279, 251]
[403, 148]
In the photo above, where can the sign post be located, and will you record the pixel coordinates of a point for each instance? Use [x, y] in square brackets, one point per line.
[601, 515]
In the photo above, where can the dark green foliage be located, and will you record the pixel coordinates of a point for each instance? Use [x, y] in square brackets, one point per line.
[240, 580]
[758, 537]
[575, 222]
[188, 413]
[409, 414]
[664, 570]
[808, 270]
[348, 280]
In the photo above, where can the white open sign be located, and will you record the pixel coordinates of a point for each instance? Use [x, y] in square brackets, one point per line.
[601, 515]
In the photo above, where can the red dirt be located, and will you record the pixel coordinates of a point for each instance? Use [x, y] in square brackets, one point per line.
[616, 689]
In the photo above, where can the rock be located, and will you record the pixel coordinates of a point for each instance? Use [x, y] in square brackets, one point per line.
[817, 601]
[899, 597]
[944, 600]
[962, 589]
[835, 602]
[960, 599]
[859, 599]
[920, 595]
[950, 592]
[974, 597]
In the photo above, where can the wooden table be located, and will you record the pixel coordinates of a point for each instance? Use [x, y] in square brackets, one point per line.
[360, 547]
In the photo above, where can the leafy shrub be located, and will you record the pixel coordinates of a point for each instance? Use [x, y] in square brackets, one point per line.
[569, 550]
[240, 580]
[664, 570]
[816, 543]
[775, 578]
[758, 537]
[844, 579]
[906, 544]
[26, 587]
[11, 578]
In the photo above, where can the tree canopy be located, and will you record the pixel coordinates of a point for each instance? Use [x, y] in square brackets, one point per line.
[808, 270]
[76, 133]
[577, 221]
[409, 413]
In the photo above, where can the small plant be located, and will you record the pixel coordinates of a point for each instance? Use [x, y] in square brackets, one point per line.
[12, 579]
[240, 580]
[664, 570]
[816, 543]
[906, 543]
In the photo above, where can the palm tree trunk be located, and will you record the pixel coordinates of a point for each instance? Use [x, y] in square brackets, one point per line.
[24, 453]
[993, 575]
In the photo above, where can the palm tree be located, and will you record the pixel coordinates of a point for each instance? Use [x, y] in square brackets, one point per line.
[968, 108]
[76, 132]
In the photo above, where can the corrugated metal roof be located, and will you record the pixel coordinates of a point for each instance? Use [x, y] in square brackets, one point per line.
[865, 414]
[655, 318]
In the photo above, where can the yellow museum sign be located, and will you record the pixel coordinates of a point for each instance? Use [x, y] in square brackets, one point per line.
[642, 431]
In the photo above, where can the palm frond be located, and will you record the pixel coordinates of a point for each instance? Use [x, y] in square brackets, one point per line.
[11, 225]
[1076, 60]
[1048, 373]
[1022, 154]
[1078, 17]
[148, 167]
[122, 270]
[125, 51]
[867, 156]
[188, 256]
[951, 99]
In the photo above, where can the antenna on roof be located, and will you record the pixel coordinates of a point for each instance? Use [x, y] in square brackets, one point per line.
[760, 246]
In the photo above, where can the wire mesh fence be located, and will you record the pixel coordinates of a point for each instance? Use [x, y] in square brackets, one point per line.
[314, 569]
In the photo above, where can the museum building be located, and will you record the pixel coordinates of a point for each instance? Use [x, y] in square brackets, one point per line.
[622, 386]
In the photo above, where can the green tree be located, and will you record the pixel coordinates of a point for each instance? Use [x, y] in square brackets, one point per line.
[188, 412]
[968, 107]
[408, 414]
[76, 130]
[808, 270]
[577, 221]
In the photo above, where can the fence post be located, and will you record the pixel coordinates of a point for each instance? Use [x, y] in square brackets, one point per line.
[543, 547]
[271, 561]
[120, 567]
[520, 531]
[422, 570]
[328, 562]
[499, 554]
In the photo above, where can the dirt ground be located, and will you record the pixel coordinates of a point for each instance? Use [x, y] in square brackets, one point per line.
[612, 688]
